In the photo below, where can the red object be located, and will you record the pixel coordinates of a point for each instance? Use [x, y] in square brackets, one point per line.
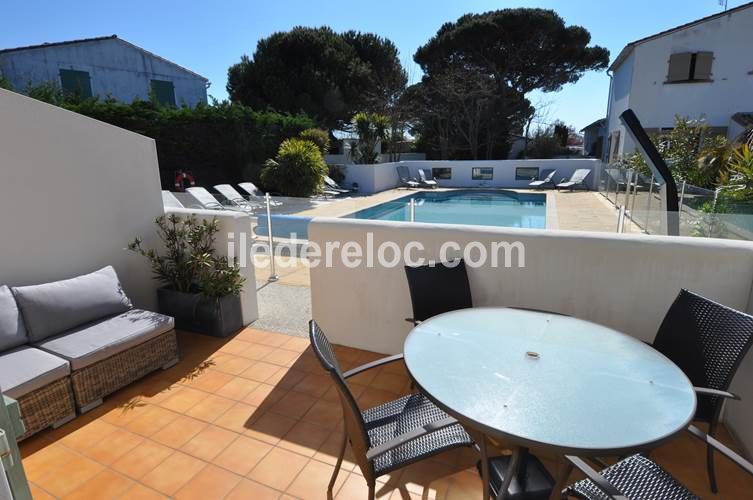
[183, 180]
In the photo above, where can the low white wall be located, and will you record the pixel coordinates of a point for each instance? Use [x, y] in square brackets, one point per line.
[74, 192]
[233, 223]
[626, 282]
[382, 176]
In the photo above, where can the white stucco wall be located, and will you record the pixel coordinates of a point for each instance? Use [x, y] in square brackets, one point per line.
[375, 178]
[115, 67]
[656, 103]
[626, 282]
[74, 193]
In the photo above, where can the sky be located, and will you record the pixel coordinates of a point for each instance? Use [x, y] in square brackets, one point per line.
[208, 37]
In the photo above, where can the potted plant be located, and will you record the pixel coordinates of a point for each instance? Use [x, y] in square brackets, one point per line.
[199, 288]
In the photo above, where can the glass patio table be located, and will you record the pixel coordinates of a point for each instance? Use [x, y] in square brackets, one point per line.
[537, 379]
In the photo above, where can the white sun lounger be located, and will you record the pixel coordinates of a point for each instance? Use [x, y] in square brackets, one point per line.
[424, 181]
[549, 179]
[170, 201]
[255, 194]
[236, 199]
[209, 202]
[405, 179]
[577, 179]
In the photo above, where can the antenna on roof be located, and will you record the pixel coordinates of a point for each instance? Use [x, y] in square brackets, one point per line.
[724, 4]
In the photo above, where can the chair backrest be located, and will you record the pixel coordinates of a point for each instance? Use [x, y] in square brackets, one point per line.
[230, 193]
[580, 175]
[402, 172]
[355, 427]
[422, 174]
[708, 341]
[170, 201]
[331, 182]
[250, 188]
[549, 177]
[204, 197]
[438, 289]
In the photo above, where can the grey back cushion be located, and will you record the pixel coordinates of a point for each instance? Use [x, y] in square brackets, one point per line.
[12, 330]
[53, 308]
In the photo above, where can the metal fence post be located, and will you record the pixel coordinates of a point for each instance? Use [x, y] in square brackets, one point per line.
[412, 210]
[273, 272]
[648, 207]
[621, 219]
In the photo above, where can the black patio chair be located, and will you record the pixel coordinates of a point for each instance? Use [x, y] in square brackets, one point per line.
[708, 341]
[437, 289]
[638, 477]
[389, 436]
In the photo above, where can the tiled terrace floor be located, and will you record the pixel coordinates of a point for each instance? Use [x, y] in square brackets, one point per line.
[255, 418]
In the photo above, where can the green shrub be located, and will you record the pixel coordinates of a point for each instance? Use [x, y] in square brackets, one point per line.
[317, 136]
[297, 170]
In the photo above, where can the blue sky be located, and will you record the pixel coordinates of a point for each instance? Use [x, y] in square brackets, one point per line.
[207, 37]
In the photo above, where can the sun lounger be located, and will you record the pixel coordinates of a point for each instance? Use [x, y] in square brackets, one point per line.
[236, 199]
[256, 195]
[577, 179]
[170, 201]
[207, 201]
[549, 179]
[424, 181]
[405, 179]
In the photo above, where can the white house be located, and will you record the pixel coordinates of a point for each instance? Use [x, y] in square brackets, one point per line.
[702, 69]
[105, 66]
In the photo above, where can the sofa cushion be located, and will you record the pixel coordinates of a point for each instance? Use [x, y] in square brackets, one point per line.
[26, 369]
[53, 308]
[12, 330]
[88, 344]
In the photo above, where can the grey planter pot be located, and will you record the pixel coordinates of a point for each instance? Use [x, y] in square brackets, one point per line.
[196, 313]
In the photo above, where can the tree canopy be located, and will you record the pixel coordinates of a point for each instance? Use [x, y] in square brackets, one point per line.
[327, 75]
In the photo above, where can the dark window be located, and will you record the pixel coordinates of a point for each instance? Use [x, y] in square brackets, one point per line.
[442, 173]
[690, 67]
[164, 92]
[75, 83]
[482, 173]
[526, 173]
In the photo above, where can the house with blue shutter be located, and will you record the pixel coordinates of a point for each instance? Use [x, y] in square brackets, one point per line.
[105, 67]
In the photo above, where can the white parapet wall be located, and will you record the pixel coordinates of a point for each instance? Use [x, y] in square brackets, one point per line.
[74, 192]
[504, 173]
[626, 282]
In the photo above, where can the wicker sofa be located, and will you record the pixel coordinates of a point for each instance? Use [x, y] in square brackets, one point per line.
[66, 345]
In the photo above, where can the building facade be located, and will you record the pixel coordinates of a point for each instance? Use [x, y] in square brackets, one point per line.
[700, 70]
[104, 67]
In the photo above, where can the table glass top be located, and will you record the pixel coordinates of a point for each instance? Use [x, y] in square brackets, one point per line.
[549, 379]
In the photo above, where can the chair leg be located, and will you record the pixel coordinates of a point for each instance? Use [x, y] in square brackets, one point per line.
[332, 480]
[710, 455]
[372, 490]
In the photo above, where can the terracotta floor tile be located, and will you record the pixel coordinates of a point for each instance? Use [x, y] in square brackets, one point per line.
[270, 427]
[260, 371]
[298, 344]
[172, 474]
[233, 365]
[122, 414]
[151, 421]
[251, 490]
[209, 442]
[178, 432]
[211, 483]
[69, 475]
[38, 493]
[141, 492]
[282, 357]
[238, 418]
[257, 351]
[324, 413]
[242, 455]
[237, 388]
[87, 436]
[355, 486]
[264, 395]
[314, 385]
[183, 399]
[210, 408]
[286, 378]
[371, 397]
[330, 450]
[114, 447]
[142, 459]
[272, 339]
[313, 480]
[464, 485]
[208, 381]
[332, 394]
[106, 484]
[398, 384]
[278, 469]
[235, 346]
[45, 461]
[293, 405]
[305, 438]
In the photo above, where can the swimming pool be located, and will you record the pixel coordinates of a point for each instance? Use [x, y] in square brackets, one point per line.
[474, 207]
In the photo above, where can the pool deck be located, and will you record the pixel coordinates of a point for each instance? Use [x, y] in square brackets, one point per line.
[566, 210]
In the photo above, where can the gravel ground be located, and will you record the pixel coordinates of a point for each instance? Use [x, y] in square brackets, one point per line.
[283, 308]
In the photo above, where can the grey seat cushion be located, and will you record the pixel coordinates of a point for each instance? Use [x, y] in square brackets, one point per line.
[93, 342]
[53, 308]
[12, 330]
[26, 369]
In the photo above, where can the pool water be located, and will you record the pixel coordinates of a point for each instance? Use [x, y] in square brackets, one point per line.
[474, 207]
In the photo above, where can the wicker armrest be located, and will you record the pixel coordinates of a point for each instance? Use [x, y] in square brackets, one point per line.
[705, 391]
[409, 436]
[600, 481]
[373, 364]
[737, 459]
